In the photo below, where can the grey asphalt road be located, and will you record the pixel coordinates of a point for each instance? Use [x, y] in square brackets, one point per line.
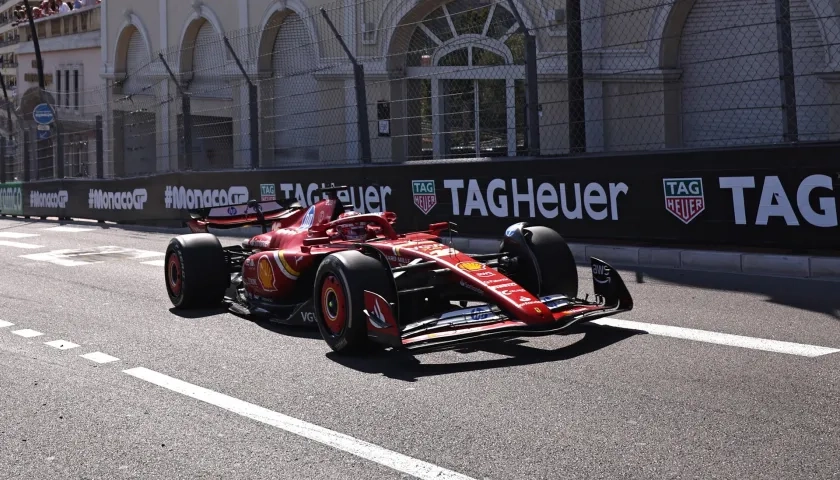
[601, 403]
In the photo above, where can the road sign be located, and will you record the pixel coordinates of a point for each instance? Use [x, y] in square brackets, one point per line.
[43, 134]
[43, 114]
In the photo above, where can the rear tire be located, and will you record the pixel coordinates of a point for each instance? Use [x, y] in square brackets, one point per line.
[555, 271]
[338, 298]
[195, 271]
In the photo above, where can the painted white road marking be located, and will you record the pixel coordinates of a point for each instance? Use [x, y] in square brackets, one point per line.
[154, 263]
[56, 257]
[29, 246]
[61, 344]
[4, 324]
[17, 235]
[69, 229]
[706, 336]
[340, 441]
[99, 357]
[79, 257]
[147, 254]
[27, 333]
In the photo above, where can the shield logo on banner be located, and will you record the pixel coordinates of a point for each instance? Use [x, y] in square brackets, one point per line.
[684, 197]
[425, 197]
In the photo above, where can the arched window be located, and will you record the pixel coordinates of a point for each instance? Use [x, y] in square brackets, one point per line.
[465, 64]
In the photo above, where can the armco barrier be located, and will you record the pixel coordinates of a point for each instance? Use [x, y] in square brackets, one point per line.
[780, 197]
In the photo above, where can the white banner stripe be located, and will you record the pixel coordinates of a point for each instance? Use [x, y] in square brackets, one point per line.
[340, 441]
[706, 336]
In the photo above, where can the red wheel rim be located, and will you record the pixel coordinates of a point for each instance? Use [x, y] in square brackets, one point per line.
[333, 304]
[173, 274]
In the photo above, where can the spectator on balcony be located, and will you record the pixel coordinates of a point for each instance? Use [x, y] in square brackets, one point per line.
[65, 8]
[79, 4]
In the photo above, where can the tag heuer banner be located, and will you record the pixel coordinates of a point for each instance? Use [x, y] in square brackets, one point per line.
[11, 199]
[776, 197]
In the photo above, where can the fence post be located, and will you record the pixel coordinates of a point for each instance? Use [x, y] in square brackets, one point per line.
[790, 126]
[254, 109]
[532, 92]
[59, 174]
[577, 102]
[2, 159]
[59, 171]
[361, 93]
[100, 148]
[186, 111]
[27, 158]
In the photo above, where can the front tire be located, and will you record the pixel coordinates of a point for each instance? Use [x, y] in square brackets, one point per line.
[547, 267]
[195, 271]
[338, 298]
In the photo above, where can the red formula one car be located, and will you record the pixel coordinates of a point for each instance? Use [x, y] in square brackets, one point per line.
[363, 284]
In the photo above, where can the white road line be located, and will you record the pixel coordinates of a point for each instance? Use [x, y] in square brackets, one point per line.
[99, 357]
[61, 344]
[4, 324]
[27, 333]
[4, 243]
[706, 336]
[154, 263]
[340, 441]
[17, 235]
[69, 229]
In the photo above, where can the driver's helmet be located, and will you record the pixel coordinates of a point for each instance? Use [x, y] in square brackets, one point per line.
[352, 232]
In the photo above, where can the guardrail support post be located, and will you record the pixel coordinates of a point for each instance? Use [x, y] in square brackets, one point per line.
[186, 111]
[27, 157]
[532, 89]
[577, 100]
[790, 126]
[254, 109]
[361, 93]
[100, 149]
[2, 159]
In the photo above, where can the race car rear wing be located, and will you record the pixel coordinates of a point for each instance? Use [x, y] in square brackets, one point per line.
[250, 214]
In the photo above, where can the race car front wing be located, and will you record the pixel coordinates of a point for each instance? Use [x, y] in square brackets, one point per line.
[486, 321]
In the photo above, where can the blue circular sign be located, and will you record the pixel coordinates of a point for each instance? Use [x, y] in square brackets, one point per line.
[43, 114]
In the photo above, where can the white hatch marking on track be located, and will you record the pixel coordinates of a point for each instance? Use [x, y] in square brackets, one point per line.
[17, 235]
[68, 229]
[154, 263]
[61, 344]
[56, 257]
[706, 336]
[99, 357]
[340, 441]
[29, 246]
[27, 333]
[4, 324]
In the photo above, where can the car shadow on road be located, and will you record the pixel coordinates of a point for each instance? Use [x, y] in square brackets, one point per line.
[198, 313]
[801, 293]
[407, 367]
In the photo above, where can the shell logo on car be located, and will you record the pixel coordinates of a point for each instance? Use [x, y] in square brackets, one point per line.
[471, 266]
[265, 273]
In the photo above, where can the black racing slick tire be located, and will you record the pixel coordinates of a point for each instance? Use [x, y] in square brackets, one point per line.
[338, 298]
[195, 271]
[549, 268]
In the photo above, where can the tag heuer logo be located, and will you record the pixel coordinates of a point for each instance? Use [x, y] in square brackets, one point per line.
[267, 192]
[424, 195]
[684, 197]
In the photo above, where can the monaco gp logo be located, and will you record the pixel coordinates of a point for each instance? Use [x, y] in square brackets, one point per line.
[425, 197]
[684, 197]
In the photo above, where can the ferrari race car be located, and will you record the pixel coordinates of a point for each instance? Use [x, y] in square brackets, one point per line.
[365, 285]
